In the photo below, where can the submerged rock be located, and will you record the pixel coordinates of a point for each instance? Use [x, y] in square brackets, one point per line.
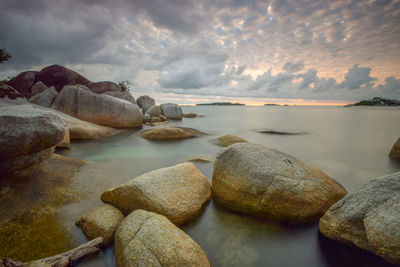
[45, 98]
[178, 192]
[99, 109]
[149, 239]
[59, 76]
[368, 218]
[101, 221]
[395, 152]
[23, 82]
[145, 102]
[230, 139]
[169, 133]
[267, 183]
[171, 111]
[189, 115]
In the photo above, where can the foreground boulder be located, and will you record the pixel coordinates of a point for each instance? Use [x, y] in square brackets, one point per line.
[169, 133]
[101, 221]
[395, 152]
[145, 102]
[267, 183]
[25, 129]
[149, 239]
[368, 218]
[230, 139]
[45, 98]
[24, 82]
[59, 76]
[10, 96]
[100, 109]
[171, 111]
[178, 192]
[27, 136]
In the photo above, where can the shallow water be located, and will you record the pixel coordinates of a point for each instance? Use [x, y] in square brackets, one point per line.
[349, 144]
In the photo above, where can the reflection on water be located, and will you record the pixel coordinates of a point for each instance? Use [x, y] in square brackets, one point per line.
[349, 144]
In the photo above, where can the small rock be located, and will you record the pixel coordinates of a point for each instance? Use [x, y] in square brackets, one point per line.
[230, 139]
[147, 118]
[171, 111]
[395, 152]
[153, 111]
[189, 115]
[169, 133]
[163, 118]
[45, 98]
[101, 221]
[149, 239]
[178, 192]
[37, 88]
[145, 102]
[155, 119]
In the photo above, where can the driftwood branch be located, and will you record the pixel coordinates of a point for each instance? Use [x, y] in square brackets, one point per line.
[64, 259]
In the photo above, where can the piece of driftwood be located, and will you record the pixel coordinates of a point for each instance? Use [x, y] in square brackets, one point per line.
[64, 259]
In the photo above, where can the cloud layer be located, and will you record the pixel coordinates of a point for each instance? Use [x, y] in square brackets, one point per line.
[343, 50]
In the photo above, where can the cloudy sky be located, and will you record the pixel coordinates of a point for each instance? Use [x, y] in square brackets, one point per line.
[214, 50]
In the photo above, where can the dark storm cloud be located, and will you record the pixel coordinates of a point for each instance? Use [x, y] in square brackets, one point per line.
[332, 49]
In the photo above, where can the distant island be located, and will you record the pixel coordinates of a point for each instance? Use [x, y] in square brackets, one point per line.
[275, 105]
[376, 101]
[221, 104]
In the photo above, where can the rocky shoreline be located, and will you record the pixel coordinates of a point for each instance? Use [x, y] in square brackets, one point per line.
[40, 111]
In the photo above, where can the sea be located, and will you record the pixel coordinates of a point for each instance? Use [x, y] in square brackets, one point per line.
[350, 144]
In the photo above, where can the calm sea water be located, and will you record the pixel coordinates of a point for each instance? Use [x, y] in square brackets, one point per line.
[349, 144]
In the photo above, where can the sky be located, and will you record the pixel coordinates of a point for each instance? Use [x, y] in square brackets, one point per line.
[184, 51]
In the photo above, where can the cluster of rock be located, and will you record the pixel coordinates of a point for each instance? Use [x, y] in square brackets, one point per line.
[104, 103]
[154, 203]
[154, 113]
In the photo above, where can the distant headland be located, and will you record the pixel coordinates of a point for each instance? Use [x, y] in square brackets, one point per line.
[376, 101]
[221, 104]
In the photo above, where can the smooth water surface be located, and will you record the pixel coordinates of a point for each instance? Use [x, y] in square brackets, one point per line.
[350, 144]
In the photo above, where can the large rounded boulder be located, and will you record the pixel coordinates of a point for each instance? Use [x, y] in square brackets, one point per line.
[25, 129]
[100, 109]
[395, 152]
[27, 135]
[23, 82]
[368, 218]
[171, 111]
[267, 183]
[59, 76]
[101, 87]
[45, 98]
[149, 239]
[145, 102]
[178, 192]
